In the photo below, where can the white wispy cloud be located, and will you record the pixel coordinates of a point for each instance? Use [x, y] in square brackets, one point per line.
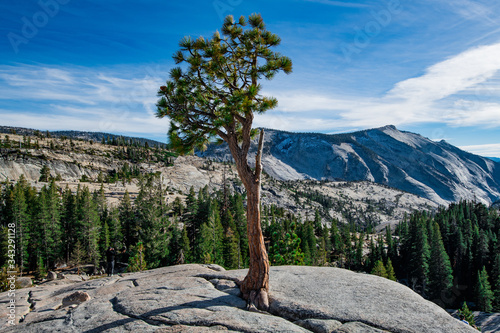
[490, 150]
[463, 90]
[451, 76]
[472, 10]
[81, 99]
[460, 91]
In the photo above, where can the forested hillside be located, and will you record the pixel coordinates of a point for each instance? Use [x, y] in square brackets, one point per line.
[450, 257]
[80, 197]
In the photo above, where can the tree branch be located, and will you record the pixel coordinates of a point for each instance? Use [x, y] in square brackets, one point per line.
[258, 157]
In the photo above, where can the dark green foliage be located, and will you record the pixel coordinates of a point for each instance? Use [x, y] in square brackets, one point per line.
[219, 89]
[240, 222]
[468, 315]
[44, 174]
[379, 269]
[48, 225]
[435, 254]
[284, 247]
[440, 272]
[185, 247]
[17, 214]
[88, 224]
[153, 222]
[130, 227]
[137, 261]
[416, 253]
[461, 239]
[484, 295]
[495, 276]
[390, 271]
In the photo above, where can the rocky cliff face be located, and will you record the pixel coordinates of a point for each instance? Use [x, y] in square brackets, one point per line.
[362, 201]
[410, 162]
[200, 298]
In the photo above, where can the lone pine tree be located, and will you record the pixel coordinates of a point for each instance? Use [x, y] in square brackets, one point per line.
[217, 96]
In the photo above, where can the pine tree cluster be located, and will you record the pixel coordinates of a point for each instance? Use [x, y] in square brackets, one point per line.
[453, 256]
[449, 257]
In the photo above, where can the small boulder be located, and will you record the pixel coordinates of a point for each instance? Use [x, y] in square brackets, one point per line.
[60, 276]
[74, 277]
[24, 282]
[215, 267]
[75, 298]
[51, 276]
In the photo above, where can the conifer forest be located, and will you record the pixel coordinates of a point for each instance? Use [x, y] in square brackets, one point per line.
[450, 256]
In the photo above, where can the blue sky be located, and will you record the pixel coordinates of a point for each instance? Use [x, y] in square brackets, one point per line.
[426, 66]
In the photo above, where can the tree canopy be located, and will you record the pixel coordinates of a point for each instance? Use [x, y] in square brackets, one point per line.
[218, 93]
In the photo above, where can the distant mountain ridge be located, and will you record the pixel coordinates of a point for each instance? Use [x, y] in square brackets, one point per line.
[407, 161]
[95, 136]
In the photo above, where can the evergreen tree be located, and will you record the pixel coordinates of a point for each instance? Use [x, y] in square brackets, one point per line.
[68, 219]
[216, 234]
[392, 250]
[44, 174]
[468, 315]
[49, 238]
[391, 275]
[116, 237]
[105, 238]
[204, 245]
[231, 252]
[40, 271]
[78, 255]
[129, 225]
[417, 252]
[496, 283]
[335, 241]
[190, 217]
[306, 234]
[137, 261]
[373, 256]
[358, 256]
[379, 269]
[322, 254]
[240, 222]
[151, 212]
[4, 245]
[484, 295]
[285, 244]
[440, 272]
[16, 208]
[185, 246]
[318, 227]
[175, 255]
[89, 225]
[177, 206]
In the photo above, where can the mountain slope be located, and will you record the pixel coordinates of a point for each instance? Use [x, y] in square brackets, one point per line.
[407, 161]
[361, 203]
[82, 135]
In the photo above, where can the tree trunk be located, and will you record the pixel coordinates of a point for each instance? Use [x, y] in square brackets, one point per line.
[255, 286]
